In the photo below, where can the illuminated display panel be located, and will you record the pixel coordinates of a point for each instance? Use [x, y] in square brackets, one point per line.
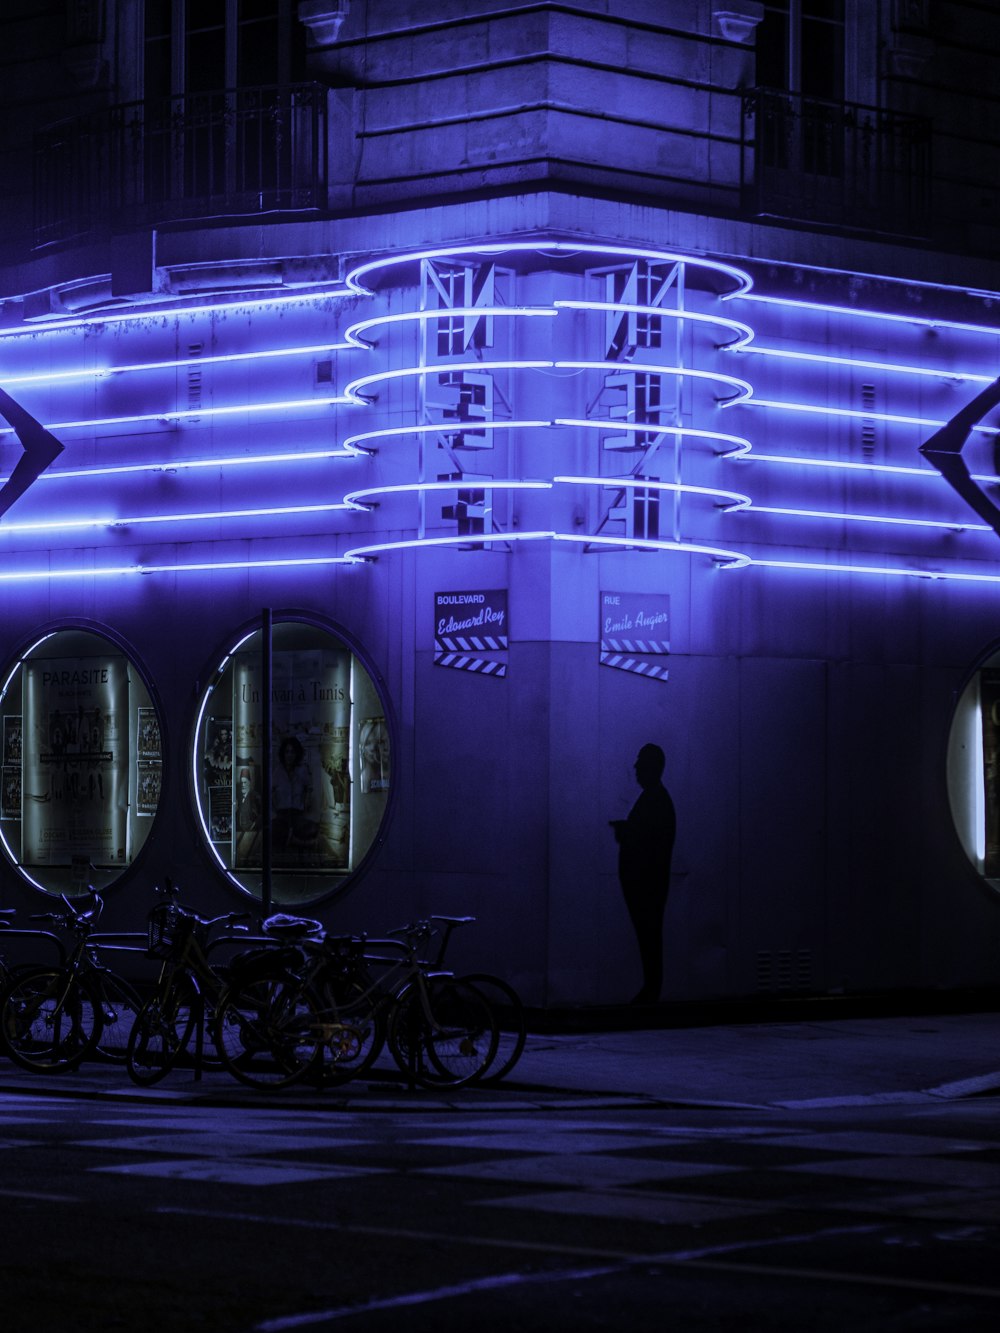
[330, 763]
[82, 762]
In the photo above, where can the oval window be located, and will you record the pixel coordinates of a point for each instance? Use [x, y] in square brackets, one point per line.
[81, 762]
[974, 768]
[292, 818]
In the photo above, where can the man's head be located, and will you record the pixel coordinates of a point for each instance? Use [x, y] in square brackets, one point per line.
[649, 765]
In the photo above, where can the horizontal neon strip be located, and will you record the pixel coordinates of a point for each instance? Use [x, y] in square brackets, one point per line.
[742, 279]
[736, 500]
[741, 388]
[926, 473]
[352, 334]
[957, 526]
[109, 521]
[744, 333]
[857, 363]
[184, 414]
[857, 414]
[886, 571]
[183, 465]
[156, 310]
[852, 312]
[121, 571]
[501, 538]
[793, 460]
[353, 498]
[180, 363]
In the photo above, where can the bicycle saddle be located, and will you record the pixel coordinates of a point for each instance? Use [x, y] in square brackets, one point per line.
[288, 927]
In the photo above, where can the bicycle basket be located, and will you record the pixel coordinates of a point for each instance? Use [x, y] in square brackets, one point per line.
[170, 928]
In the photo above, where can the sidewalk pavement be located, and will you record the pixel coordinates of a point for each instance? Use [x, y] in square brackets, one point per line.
[806, 1063]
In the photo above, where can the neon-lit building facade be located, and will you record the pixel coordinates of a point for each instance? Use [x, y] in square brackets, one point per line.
[462, 404]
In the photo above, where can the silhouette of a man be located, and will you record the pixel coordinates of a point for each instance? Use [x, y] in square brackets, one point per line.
[645, 849]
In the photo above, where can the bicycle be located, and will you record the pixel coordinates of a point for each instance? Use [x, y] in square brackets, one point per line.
[189, 989]
[500, 995]
[52, 1018]
[352, 1001]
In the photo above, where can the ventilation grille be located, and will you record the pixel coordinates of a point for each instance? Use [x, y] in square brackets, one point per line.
[194, 379]
[868, 426]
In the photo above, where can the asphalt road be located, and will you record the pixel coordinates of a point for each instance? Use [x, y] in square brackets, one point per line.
[154, 1217]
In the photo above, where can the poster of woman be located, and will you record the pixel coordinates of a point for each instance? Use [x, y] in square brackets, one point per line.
[310, 724]
[374, 744]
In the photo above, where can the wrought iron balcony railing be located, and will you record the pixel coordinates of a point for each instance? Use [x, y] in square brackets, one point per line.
[226, 153]
[836, 163]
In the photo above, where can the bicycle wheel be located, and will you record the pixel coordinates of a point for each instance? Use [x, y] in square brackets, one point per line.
[50, 1019]
[442, 1032]
[512, 1031]
[268, 1031]
[352, 1032]
[161, 1031]
[119, 1006]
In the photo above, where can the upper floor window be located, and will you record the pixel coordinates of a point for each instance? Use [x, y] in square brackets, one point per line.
[193, 46]
[800, 48]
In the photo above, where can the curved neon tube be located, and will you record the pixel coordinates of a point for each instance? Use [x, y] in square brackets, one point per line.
[353, 499]
[353, 337]
[196, 773]
[744, 333]
[631, 543]
[743, 281]
[742, 390]
[725, 558]
[743, 445]
[735, 499]
[352, 390]
[436, 428]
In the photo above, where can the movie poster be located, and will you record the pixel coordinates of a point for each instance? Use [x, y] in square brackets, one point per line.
[310, 752]
[10, 777]
[148, 762]
[373, 742]
[75, 761]
[217, 775]
[12, 739]
[10, 792]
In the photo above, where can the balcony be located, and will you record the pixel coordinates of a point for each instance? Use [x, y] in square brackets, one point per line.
[230, 153]
[836, 164]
